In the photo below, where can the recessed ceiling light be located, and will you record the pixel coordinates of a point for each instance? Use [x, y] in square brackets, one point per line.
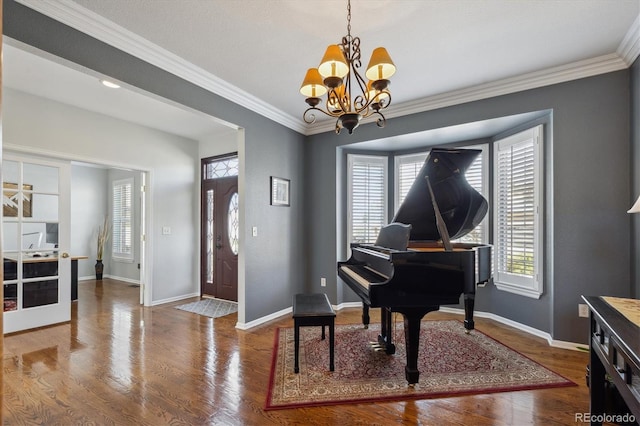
[110, 84]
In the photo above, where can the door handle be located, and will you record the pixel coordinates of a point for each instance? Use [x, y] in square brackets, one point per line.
[65, 255]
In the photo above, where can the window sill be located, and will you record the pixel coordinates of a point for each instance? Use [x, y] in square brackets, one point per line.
[522, 291]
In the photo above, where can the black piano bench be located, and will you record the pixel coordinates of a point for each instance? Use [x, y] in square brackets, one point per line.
[313, 310]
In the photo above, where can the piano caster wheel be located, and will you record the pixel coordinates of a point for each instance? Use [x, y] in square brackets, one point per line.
[467, 332]
[366, 326]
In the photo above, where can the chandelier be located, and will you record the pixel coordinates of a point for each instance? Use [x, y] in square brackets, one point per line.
[349, 97]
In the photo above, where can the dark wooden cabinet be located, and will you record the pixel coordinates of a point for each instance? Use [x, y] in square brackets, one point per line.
[614, 359]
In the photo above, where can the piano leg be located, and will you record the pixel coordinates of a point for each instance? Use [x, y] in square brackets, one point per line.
[365, 315]
[384, 339]
[412, 321]
[469, 301]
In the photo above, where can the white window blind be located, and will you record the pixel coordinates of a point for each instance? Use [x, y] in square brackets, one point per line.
[408, 167]
[517, 207]
[122, 214]
[367, 210]
[477, 176]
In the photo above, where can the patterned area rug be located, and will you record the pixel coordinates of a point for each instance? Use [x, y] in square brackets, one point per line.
[451, 363]
[213, 308]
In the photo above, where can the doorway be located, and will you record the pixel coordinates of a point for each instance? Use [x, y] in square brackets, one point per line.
[219, 228]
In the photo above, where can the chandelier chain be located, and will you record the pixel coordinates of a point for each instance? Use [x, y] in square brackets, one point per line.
[349, 18]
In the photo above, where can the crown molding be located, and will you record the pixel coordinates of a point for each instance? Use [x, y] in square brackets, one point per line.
[94, 25]
[629, 48]
[533, 80]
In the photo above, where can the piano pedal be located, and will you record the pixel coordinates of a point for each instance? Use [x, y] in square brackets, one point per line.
[376, 346]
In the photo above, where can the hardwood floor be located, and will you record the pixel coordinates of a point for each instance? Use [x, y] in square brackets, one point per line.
[120, 363]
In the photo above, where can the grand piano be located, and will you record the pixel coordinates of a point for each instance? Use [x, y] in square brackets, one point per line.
[413, 267]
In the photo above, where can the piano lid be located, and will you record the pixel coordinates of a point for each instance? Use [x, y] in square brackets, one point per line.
[462, 207]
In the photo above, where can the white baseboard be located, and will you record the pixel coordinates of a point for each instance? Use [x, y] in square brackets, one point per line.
[530, 330]
[113, 277]
[262, 320]
[175, 299]
[533, 331]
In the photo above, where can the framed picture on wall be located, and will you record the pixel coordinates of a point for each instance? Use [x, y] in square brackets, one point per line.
[11, 198]
[279, 192]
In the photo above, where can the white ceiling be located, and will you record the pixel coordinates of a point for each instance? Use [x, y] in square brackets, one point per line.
[255, 52]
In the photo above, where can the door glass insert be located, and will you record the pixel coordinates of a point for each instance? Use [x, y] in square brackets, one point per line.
[210, 236]
[30, 235]
[233, 223]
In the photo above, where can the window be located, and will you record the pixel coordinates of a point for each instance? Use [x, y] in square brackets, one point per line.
[516, 212]
[408, 167]
[122, 220]
[367, 197]
[220, 167]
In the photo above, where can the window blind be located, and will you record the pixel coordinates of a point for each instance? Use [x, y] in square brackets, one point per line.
[517, 202]
[408, 167]
[476, 177]
[122, 212]
[367, 198]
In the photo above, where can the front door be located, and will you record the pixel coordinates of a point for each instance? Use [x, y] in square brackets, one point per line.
[220, 229]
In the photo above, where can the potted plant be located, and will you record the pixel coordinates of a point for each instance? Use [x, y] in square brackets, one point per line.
[103, 236]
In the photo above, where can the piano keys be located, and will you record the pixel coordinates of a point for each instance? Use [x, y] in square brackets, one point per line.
[413, 267]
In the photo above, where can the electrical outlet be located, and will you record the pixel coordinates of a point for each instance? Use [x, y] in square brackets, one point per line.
[583, 310]
[323, 282]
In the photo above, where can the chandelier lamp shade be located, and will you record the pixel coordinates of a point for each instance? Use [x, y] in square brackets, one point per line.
[337, 89]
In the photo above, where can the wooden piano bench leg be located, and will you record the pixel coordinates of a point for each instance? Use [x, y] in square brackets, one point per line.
[296, 339]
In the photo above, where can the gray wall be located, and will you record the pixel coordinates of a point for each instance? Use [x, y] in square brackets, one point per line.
[590, 251]
[89, 205]
[274, 258]
[590, 185]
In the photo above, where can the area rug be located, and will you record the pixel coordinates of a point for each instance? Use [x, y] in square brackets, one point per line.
[213, 308]
[451, 363]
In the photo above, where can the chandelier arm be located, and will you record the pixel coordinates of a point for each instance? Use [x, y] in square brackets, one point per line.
[309, 116]
[333, 98]
[380, 121]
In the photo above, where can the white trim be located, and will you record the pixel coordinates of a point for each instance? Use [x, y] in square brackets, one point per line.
[88, 22]
[262, 320]
[629, 48]
[522, 327]
[533, 80]
[174, 299]
[530, 330]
